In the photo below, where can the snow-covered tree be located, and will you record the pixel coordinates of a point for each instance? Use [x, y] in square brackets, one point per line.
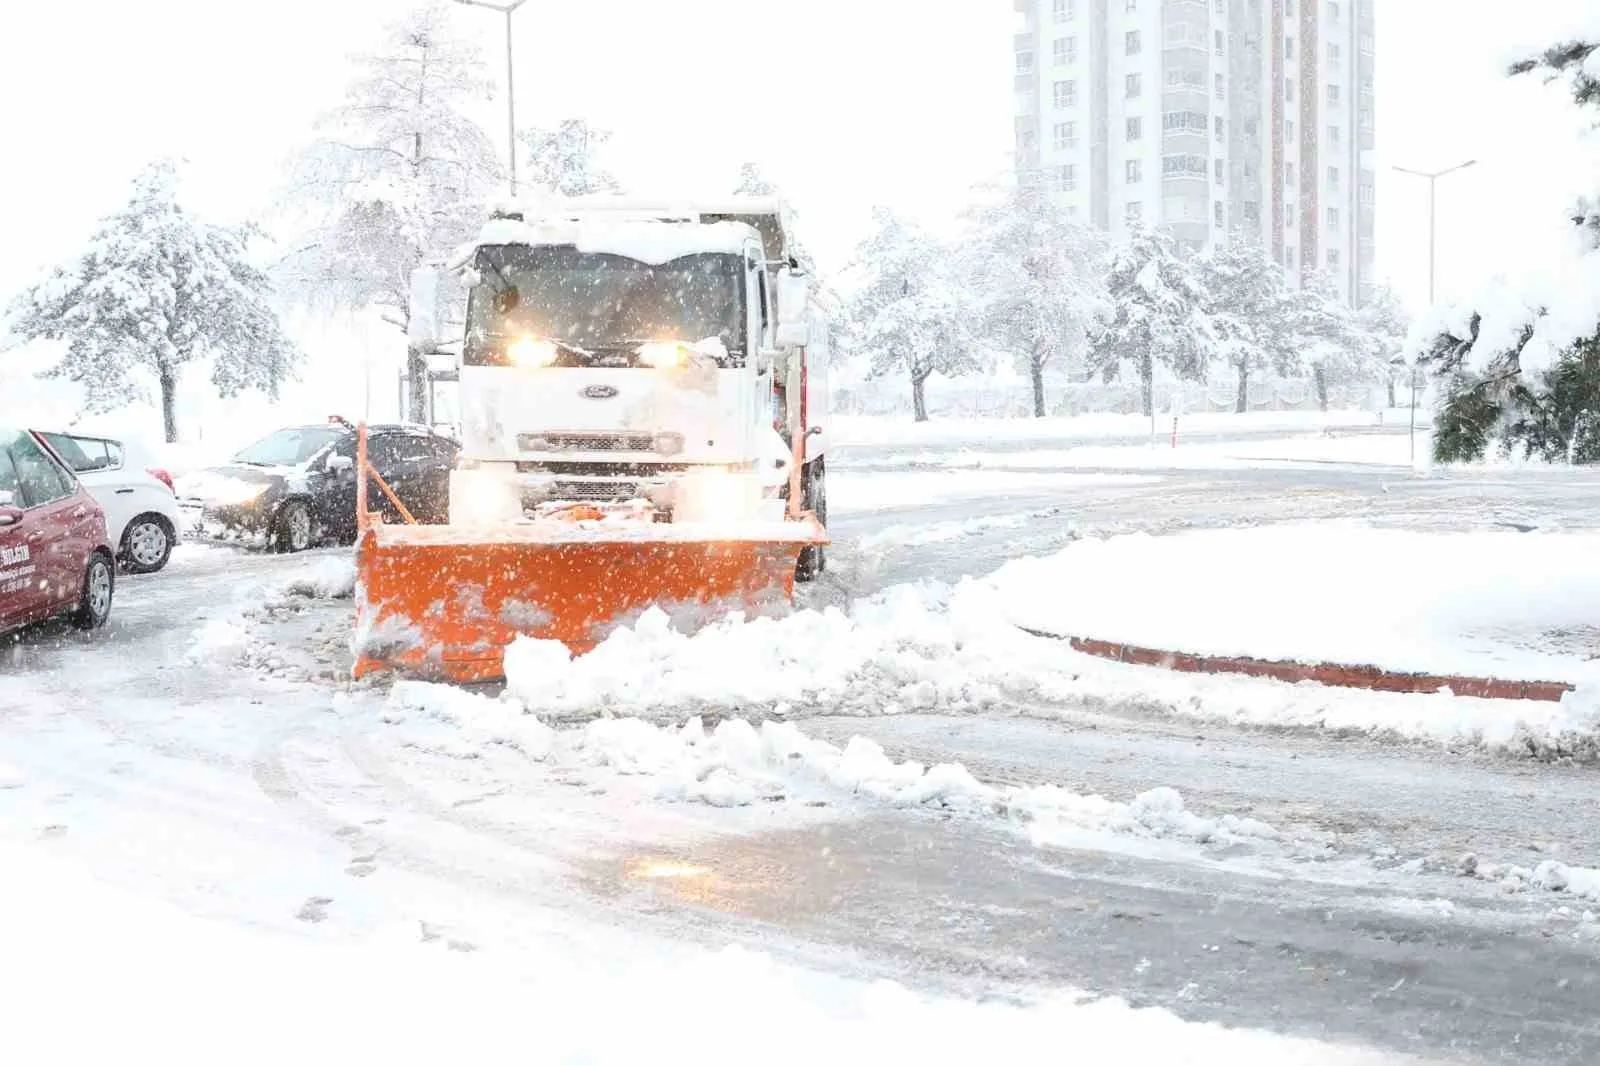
[565, 160]
[1156, 315]
[399, 171]
[753, 182]
[156, 291]
[1380, 325]
[910, 313]
[1250, 309]
[1521, 368]
[1038, 277]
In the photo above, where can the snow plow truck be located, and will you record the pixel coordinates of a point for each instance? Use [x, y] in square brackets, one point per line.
[639, 391]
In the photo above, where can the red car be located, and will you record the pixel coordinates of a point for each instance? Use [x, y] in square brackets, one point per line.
[55, 557]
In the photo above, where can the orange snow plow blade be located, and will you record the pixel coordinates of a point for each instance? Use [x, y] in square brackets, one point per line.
[443, 602]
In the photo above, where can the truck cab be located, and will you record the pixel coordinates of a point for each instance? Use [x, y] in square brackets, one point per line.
[618, 352]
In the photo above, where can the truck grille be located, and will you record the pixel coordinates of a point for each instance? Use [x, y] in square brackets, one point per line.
[585, 442]
[593, 490]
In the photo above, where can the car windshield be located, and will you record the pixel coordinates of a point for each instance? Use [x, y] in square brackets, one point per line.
[596, 303]
[288, 447]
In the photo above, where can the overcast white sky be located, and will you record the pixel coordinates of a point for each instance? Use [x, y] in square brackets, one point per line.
[847, 102]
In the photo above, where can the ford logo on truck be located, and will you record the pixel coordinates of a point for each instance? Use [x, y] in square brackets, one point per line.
[598, 392]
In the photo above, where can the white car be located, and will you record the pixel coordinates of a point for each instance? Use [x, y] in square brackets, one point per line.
[142, 516]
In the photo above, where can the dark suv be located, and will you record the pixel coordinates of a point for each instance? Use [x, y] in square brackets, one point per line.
[297, 487]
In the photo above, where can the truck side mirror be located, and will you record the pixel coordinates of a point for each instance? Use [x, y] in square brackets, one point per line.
[422, 321]
[794, 304]
[338, 464]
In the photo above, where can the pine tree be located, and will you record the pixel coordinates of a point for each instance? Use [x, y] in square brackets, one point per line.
[564, 160]
[1039, 278]
[156, 291]
[910, 313]
[400, 171]
[1525, 373]
[1156, 317]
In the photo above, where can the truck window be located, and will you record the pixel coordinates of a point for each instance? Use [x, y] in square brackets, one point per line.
[761, 282]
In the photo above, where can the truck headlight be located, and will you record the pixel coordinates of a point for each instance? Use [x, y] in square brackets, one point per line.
[532, 352]
[662, 355]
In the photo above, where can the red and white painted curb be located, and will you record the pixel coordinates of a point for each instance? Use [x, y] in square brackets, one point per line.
[1342, 675]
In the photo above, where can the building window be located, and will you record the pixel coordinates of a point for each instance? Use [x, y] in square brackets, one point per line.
[1219, 127]
[1288, 175]
[1025, 62]
[1063, 10]
[1184, 164]
[1133, 170]
[1333, 217]
[1288, 129]
[1333, 134]
[1367, 191]
[1067, 177]
[1216, 41]
[1333, 257]
[1250, 127]
[1134, 211]
[1135, 128]
[1216, 213]
[1066, 136]
[1066, 94]
[1288, 48]
[1333, 95]
[1131, 85]
[1333, 177]
[1366, 118]
[1175, 121]
[1252, 212]
[1288, 9]
[1218, 167]
[1131, 6]
[1218, 89]
[1288, 88]
[1333, 51]
[1333, 12]
[1064, 50]
[1367, 42]
[1222, 7]
[1131, 43]
[1288, 258]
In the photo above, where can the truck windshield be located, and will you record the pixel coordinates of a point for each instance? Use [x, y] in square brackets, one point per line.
[600, 306]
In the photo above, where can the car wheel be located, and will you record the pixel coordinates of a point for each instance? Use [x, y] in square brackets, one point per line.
[94, 600]
[147, 544]
[294, 527]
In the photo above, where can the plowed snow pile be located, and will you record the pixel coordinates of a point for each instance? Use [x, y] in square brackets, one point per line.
[1342, 592]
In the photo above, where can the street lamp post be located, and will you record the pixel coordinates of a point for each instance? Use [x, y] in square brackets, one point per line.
[506, 8]
[1432, 177]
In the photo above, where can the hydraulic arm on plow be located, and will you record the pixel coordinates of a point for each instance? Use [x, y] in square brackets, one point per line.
[636, 393]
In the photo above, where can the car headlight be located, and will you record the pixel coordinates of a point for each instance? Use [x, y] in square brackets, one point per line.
[662, 355]
[234, 493]
[532, 352]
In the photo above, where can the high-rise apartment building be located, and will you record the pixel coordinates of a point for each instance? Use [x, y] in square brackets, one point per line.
[1209, 118]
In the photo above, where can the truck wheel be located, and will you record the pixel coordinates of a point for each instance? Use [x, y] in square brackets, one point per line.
[814, 561]
[293, 532]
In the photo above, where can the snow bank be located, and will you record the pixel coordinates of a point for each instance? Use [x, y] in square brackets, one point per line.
[737, 764]
[152, 977]
[1474, 603]
[228, 634]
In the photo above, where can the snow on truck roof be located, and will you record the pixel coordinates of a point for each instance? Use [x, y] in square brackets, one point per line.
[647, 241]
[639, 229]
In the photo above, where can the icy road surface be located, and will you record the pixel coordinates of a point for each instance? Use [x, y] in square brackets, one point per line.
[204, 752]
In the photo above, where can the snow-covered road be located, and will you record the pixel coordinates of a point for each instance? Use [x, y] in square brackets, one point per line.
[1407, 897]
